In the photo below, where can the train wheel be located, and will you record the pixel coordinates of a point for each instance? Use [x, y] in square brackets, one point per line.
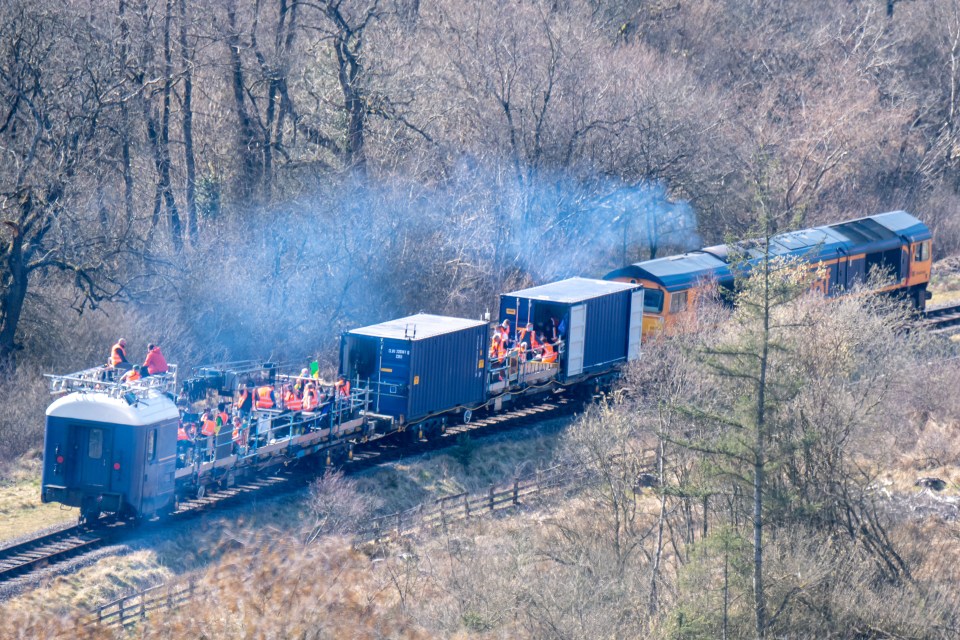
[201, 491]
[467, 416]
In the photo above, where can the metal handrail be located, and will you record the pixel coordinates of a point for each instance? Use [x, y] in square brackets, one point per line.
[105, 380]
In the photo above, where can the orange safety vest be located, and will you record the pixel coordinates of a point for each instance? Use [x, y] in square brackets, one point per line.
[130, 376]
[292, 401]
[549, 353]
[117, 355]
[239, 436]
[530, 337]
[209, 428]
[182, 434]
[222, 420]
[309, 399]
[343, 388]
[242, 400]
[497, 352]
[264, 401]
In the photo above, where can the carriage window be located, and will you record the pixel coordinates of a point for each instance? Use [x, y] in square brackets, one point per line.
[152, 446]
[678, 302]
[652, 300]
[95, 445]
[921, 252]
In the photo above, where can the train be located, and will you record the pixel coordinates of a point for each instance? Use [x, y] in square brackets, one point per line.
[121, 448]
[895, 245]
[125, 449]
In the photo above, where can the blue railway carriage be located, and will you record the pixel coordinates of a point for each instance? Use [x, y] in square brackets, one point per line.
[418, 369]
[896, 244]
[111, 447]
[594, 325]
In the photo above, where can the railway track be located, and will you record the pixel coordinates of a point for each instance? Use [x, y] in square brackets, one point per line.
[44, 550]
[941, 319]
[23, 558]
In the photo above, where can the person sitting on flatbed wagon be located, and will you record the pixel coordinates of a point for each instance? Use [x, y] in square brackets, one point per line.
[549, 353]
[265, 398]
[155, 363]
[342, 387]
[292, 400]
[310, 399]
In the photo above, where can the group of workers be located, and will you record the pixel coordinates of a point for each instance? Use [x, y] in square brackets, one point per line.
[526, 345]
[208, 438]
[153, 364]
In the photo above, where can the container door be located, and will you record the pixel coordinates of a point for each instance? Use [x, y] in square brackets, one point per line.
[636, 324]
[575, 341]
[393, 377]
[95, 456]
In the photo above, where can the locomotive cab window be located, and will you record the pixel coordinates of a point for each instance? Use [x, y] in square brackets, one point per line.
[95, 444]
[678, 302]
[652, 300]
[921, 252]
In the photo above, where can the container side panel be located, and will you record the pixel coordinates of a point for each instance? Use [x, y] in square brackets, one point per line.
[448, 371]
[608, 322]
[636, 324]
[576, 339]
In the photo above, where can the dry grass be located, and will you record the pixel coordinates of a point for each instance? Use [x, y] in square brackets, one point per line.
[21, 511]
[221, 540]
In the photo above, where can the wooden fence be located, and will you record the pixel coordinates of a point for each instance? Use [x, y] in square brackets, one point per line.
[462, 506]
[134, 608]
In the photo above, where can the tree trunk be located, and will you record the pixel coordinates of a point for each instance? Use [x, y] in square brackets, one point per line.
[125, 118]
[189, 159]
[176, 228]
[251, 165]
[14, 293]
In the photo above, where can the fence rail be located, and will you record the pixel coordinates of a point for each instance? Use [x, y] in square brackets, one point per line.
[134, 608]
[462, 506]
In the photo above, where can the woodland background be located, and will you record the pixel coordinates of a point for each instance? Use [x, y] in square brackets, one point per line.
[249, 178]
[246, 179]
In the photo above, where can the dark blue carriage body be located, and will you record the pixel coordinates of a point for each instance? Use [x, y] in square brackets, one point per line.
[598, 321]
[849, 250]
[419, 366]
[102, 454]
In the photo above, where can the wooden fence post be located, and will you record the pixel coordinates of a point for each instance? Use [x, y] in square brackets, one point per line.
[120, 604]
[399, 524]
[443, 514]
[516, 491]
[466, 504]
[491, 497]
